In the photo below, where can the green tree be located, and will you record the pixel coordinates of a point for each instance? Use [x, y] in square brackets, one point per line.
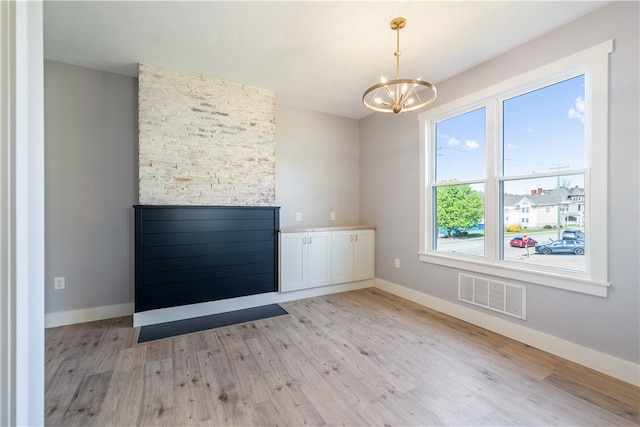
[458, 207]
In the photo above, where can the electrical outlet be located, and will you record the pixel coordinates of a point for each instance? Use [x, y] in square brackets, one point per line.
[298, 216]
[397, 263]
[333, 216]
[58, 283]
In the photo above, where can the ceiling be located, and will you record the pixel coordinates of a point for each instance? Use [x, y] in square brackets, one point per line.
[319, 56]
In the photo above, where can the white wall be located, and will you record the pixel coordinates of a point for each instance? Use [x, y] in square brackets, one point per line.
[317, 168]
[390, 189]
[91, 159]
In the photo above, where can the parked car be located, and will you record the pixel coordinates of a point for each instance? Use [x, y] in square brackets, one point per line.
[517, 242]
[569, 246]
[573, 234]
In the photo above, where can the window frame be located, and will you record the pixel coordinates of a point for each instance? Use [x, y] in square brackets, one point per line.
[593, 62]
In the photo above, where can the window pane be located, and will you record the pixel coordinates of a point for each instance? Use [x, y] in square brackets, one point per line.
[535, 207]
[460, 219]
[544, 129]
[460, 147]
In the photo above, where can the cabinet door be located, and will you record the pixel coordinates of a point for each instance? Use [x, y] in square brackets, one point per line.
[364, 254]
[342, 256]
[319, 259]
[293, 261]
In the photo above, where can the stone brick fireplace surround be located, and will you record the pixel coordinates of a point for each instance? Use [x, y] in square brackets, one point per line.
[206, 164]
[204, 141]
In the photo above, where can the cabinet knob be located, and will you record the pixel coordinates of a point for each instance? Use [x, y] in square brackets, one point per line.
[304, 240]
[310, 239]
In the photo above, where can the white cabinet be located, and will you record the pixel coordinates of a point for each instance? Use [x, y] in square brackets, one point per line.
[364, 255]
[310, 259]
[305, 260]
[352, 255]
[342, 256]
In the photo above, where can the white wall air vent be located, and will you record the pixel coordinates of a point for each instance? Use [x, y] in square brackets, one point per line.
[506, 298]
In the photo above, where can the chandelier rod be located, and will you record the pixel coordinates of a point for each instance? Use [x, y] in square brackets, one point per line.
[398, 52]
[397, 24]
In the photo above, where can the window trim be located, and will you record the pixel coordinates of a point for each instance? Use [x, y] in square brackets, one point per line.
[593, 62]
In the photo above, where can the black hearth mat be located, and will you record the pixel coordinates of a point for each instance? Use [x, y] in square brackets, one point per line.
[197, 324]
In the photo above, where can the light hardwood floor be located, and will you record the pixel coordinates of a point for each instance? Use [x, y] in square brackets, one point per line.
[357, 358]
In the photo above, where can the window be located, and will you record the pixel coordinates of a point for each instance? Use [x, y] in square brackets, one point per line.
[528, 155]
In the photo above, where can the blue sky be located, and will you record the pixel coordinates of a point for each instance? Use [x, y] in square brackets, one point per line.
[543, 130]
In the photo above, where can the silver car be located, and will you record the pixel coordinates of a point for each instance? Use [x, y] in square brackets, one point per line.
[562, 247]
[573, 234]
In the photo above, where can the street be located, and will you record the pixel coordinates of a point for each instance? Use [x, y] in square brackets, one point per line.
[475, 247]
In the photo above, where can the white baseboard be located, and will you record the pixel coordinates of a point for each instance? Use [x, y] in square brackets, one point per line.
[601, 362]
[324, 290]
[70, 317]
[61, 318]
[171, 314]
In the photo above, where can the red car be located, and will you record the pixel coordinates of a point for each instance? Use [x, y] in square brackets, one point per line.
[517, 242]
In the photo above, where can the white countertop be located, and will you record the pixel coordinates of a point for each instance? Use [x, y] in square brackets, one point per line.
[326, 228]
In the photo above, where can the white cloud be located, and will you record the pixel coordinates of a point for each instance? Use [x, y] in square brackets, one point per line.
[511, 146]
[453, 142]
[471, 144]
[577, 112]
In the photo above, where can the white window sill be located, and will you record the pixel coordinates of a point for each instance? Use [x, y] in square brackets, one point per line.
[502, 269]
